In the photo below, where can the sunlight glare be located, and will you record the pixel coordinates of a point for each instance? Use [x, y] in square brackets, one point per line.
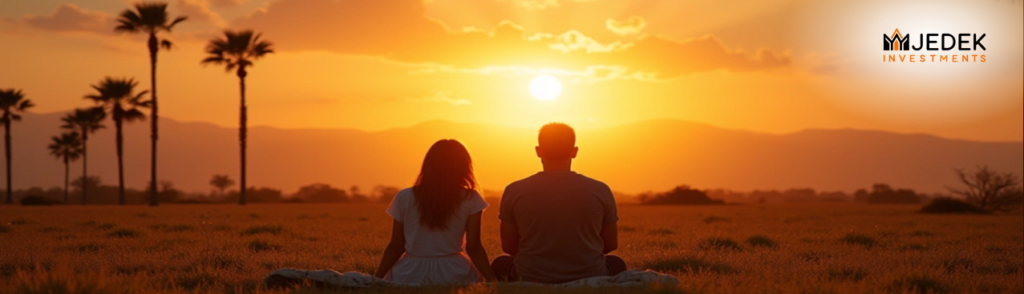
[545, 87]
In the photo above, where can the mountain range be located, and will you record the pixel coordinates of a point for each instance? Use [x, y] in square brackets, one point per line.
[636, 157]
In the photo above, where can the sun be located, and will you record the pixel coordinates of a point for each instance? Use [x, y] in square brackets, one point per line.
[545, 87]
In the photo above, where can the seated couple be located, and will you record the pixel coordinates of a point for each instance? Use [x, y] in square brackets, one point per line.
[556, 226]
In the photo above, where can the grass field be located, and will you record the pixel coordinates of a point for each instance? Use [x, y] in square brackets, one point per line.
[711, 249]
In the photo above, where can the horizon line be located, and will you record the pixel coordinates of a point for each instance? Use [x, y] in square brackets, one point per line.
[634, 122]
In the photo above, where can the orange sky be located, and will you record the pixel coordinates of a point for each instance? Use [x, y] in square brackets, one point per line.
[767, 65]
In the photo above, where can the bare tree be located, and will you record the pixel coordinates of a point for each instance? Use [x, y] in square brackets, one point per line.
[990, 190]
[222, 182]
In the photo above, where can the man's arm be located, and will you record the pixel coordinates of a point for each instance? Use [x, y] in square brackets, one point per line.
[610, 229]
[610, 235]
[509, 238]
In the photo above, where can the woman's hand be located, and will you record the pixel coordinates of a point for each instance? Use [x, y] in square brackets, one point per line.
[475, 249]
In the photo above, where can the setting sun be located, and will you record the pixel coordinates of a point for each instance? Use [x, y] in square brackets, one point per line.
[545, 87]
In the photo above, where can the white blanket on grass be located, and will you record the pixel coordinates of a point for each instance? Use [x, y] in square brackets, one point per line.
[628, 278]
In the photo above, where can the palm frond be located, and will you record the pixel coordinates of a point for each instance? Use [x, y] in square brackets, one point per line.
[137, 100]
[130, 22]
[175, 22]
[217, 60]
[132, 115]
[237, 49]
[25, 104]
[166, 44]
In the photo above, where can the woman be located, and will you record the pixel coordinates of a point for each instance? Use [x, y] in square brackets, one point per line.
[430, 220]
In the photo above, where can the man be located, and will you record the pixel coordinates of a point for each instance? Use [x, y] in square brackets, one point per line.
[557, 225]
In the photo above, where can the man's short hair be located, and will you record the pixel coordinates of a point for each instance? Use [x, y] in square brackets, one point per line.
[556, 141]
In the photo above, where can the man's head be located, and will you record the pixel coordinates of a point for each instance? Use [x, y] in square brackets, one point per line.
[556, 142]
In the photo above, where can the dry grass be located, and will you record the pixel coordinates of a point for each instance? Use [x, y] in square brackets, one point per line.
[727, 249]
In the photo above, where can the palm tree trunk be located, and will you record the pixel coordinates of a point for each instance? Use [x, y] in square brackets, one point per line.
[7, 153]
[242, 131]
[85, 164]
[120, 160]
[153, 48]
[67, 173]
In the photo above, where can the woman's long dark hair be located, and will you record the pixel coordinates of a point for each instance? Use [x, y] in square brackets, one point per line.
[444, 182]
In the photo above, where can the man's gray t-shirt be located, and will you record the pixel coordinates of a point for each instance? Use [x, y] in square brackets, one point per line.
[559, 216]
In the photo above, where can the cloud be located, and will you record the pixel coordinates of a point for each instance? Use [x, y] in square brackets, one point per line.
[228, 3]
[628, 26]
[199, 11]
[443, 97]
[71, 18]
[397, 30]
[540, 4]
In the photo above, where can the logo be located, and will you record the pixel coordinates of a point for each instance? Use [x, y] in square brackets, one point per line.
[967, 44]
[897, 42]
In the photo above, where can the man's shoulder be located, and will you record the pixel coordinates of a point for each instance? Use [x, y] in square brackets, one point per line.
[521, 182]
[595, 183]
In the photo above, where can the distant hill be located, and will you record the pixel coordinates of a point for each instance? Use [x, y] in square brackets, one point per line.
[651, 155]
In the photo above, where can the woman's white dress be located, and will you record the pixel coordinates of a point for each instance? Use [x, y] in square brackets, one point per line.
[434, 257]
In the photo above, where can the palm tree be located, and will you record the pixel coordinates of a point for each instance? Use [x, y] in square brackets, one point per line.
[84, 121]
[66, 147]
[12, 103]
[119, 98]
[237, 51]
[150, 18]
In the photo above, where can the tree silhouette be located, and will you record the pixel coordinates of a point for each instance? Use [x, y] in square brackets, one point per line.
[12, 103]
[990, 190]
[151, 19]
[84, 121]
[237, 51]
[118, 98]
[87, 183]
[222, 182]
[67, 147]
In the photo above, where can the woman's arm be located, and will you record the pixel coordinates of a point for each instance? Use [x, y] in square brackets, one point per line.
[394, 251]
[475, 248]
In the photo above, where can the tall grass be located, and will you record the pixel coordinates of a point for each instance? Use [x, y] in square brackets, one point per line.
[223, 249]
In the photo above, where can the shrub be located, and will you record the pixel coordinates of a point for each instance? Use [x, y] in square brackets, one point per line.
[846, 274]
[711, 219]
[761, 241]
[921, 284]
[124, 233]
[858, 239]
[911, 247]
[660, 232]
[682, 195]
[922, 233]
[719, 244]
[884, 194]
[260, 245]
[180, 228]
[87, 247]
[36, 200]
[946, 205]
[690, 265]
[264, 229]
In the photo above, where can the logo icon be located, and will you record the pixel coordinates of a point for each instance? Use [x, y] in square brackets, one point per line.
[898, 42]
